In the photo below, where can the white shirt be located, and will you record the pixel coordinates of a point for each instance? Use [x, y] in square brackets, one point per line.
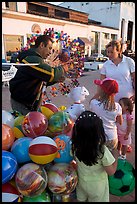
[108, 117]
[122, 74]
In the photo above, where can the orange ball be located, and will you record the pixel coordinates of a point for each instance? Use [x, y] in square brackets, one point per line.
[7, 137]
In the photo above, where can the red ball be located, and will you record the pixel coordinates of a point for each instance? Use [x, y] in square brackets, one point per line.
[34, 124]
[7, 137]
[48, 109]
[10, 193]
[64, 56]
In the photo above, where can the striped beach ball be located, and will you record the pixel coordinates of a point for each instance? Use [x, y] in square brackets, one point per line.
[10, 193]
[42, 150]
[48, 109]
[34, 124]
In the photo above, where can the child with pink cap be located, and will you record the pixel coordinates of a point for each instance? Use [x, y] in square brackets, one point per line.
[107, 109]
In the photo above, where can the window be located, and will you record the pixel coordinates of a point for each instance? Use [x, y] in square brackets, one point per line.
[61, 13]
[33, 8]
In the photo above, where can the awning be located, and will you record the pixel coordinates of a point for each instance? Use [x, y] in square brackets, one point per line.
[84, 41]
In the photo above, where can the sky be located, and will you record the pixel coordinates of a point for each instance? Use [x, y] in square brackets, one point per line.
[55, 3]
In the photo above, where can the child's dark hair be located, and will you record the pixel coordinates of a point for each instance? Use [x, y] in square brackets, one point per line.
[88, 138]
[42, 38]
[127, 102]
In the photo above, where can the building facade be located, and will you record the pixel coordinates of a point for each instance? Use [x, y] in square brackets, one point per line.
[119, 15]
[21, 19]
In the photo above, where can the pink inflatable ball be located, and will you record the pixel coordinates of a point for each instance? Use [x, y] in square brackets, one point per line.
[34, 124]
[7, 118]
[7, 137]
[31, 179]
[62, 178]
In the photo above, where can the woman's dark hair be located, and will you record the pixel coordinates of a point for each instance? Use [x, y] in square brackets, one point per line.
[88, 138]
[42, 38]
[127, 102]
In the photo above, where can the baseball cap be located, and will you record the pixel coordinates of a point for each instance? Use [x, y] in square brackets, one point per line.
[109, 85]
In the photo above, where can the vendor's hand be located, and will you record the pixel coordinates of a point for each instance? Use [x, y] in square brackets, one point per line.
[65, 65]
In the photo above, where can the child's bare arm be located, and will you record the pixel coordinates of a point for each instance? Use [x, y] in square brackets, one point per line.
[113, 167]
[119, 119]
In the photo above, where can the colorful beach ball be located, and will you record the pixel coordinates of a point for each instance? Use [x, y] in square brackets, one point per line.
[7, 137]
[65, 55]
[17, 129]
[10, 193]
[9, 166]
[60, 123]
[62, 178]
[42, 150]
[20, 149]
[7, 118]
[43, 197]
[64, 149]
[34, 124]
[31, 179]
[48, 109]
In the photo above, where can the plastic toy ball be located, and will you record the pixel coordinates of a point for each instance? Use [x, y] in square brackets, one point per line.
[31, 180]
[20, 149]
[43, 197]
[34, 124]
[42, 150]
[60, 123]
[48, 109]
[123, 181]
[10, 193]
[7, 118]
[62, 178]
[17, 129]
[7, 137]
[64, 149]
[9, 166]
[65, 55]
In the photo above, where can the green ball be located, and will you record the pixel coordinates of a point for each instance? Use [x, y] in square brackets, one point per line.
[123, 181]
[43, 197]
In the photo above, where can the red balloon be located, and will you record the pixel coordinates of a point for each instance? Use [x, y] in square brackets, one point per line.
[64, 56]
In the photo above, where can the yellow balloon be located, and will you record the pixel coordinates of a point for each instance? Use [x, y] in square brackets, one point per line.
[62, 108]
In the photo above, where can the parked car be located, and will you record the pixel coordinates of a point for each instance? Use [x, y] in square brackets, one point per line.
[94, 64]
[96, 55]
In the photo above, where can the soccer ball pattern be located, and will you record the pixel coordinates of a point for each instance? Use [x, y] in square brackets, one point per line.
[123, 181]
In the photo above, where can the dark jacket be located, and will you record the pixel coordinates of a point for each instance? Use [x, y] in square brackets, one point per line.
[26, 84]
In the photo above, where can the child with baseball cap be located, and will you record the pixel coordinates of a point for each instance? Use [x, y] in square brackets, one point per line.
[107, 109]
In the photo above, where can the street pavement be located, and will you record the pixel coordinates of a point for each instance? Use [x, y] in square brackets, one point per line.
[62, 100]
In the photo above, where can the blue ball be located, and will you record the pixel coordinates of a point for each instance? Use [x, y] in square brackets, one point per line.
[9, 166]
[20, 149]
[64, 149]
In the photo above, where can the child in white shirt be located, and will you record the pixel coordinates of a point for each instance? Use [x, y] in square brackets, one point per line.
[106, 108]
